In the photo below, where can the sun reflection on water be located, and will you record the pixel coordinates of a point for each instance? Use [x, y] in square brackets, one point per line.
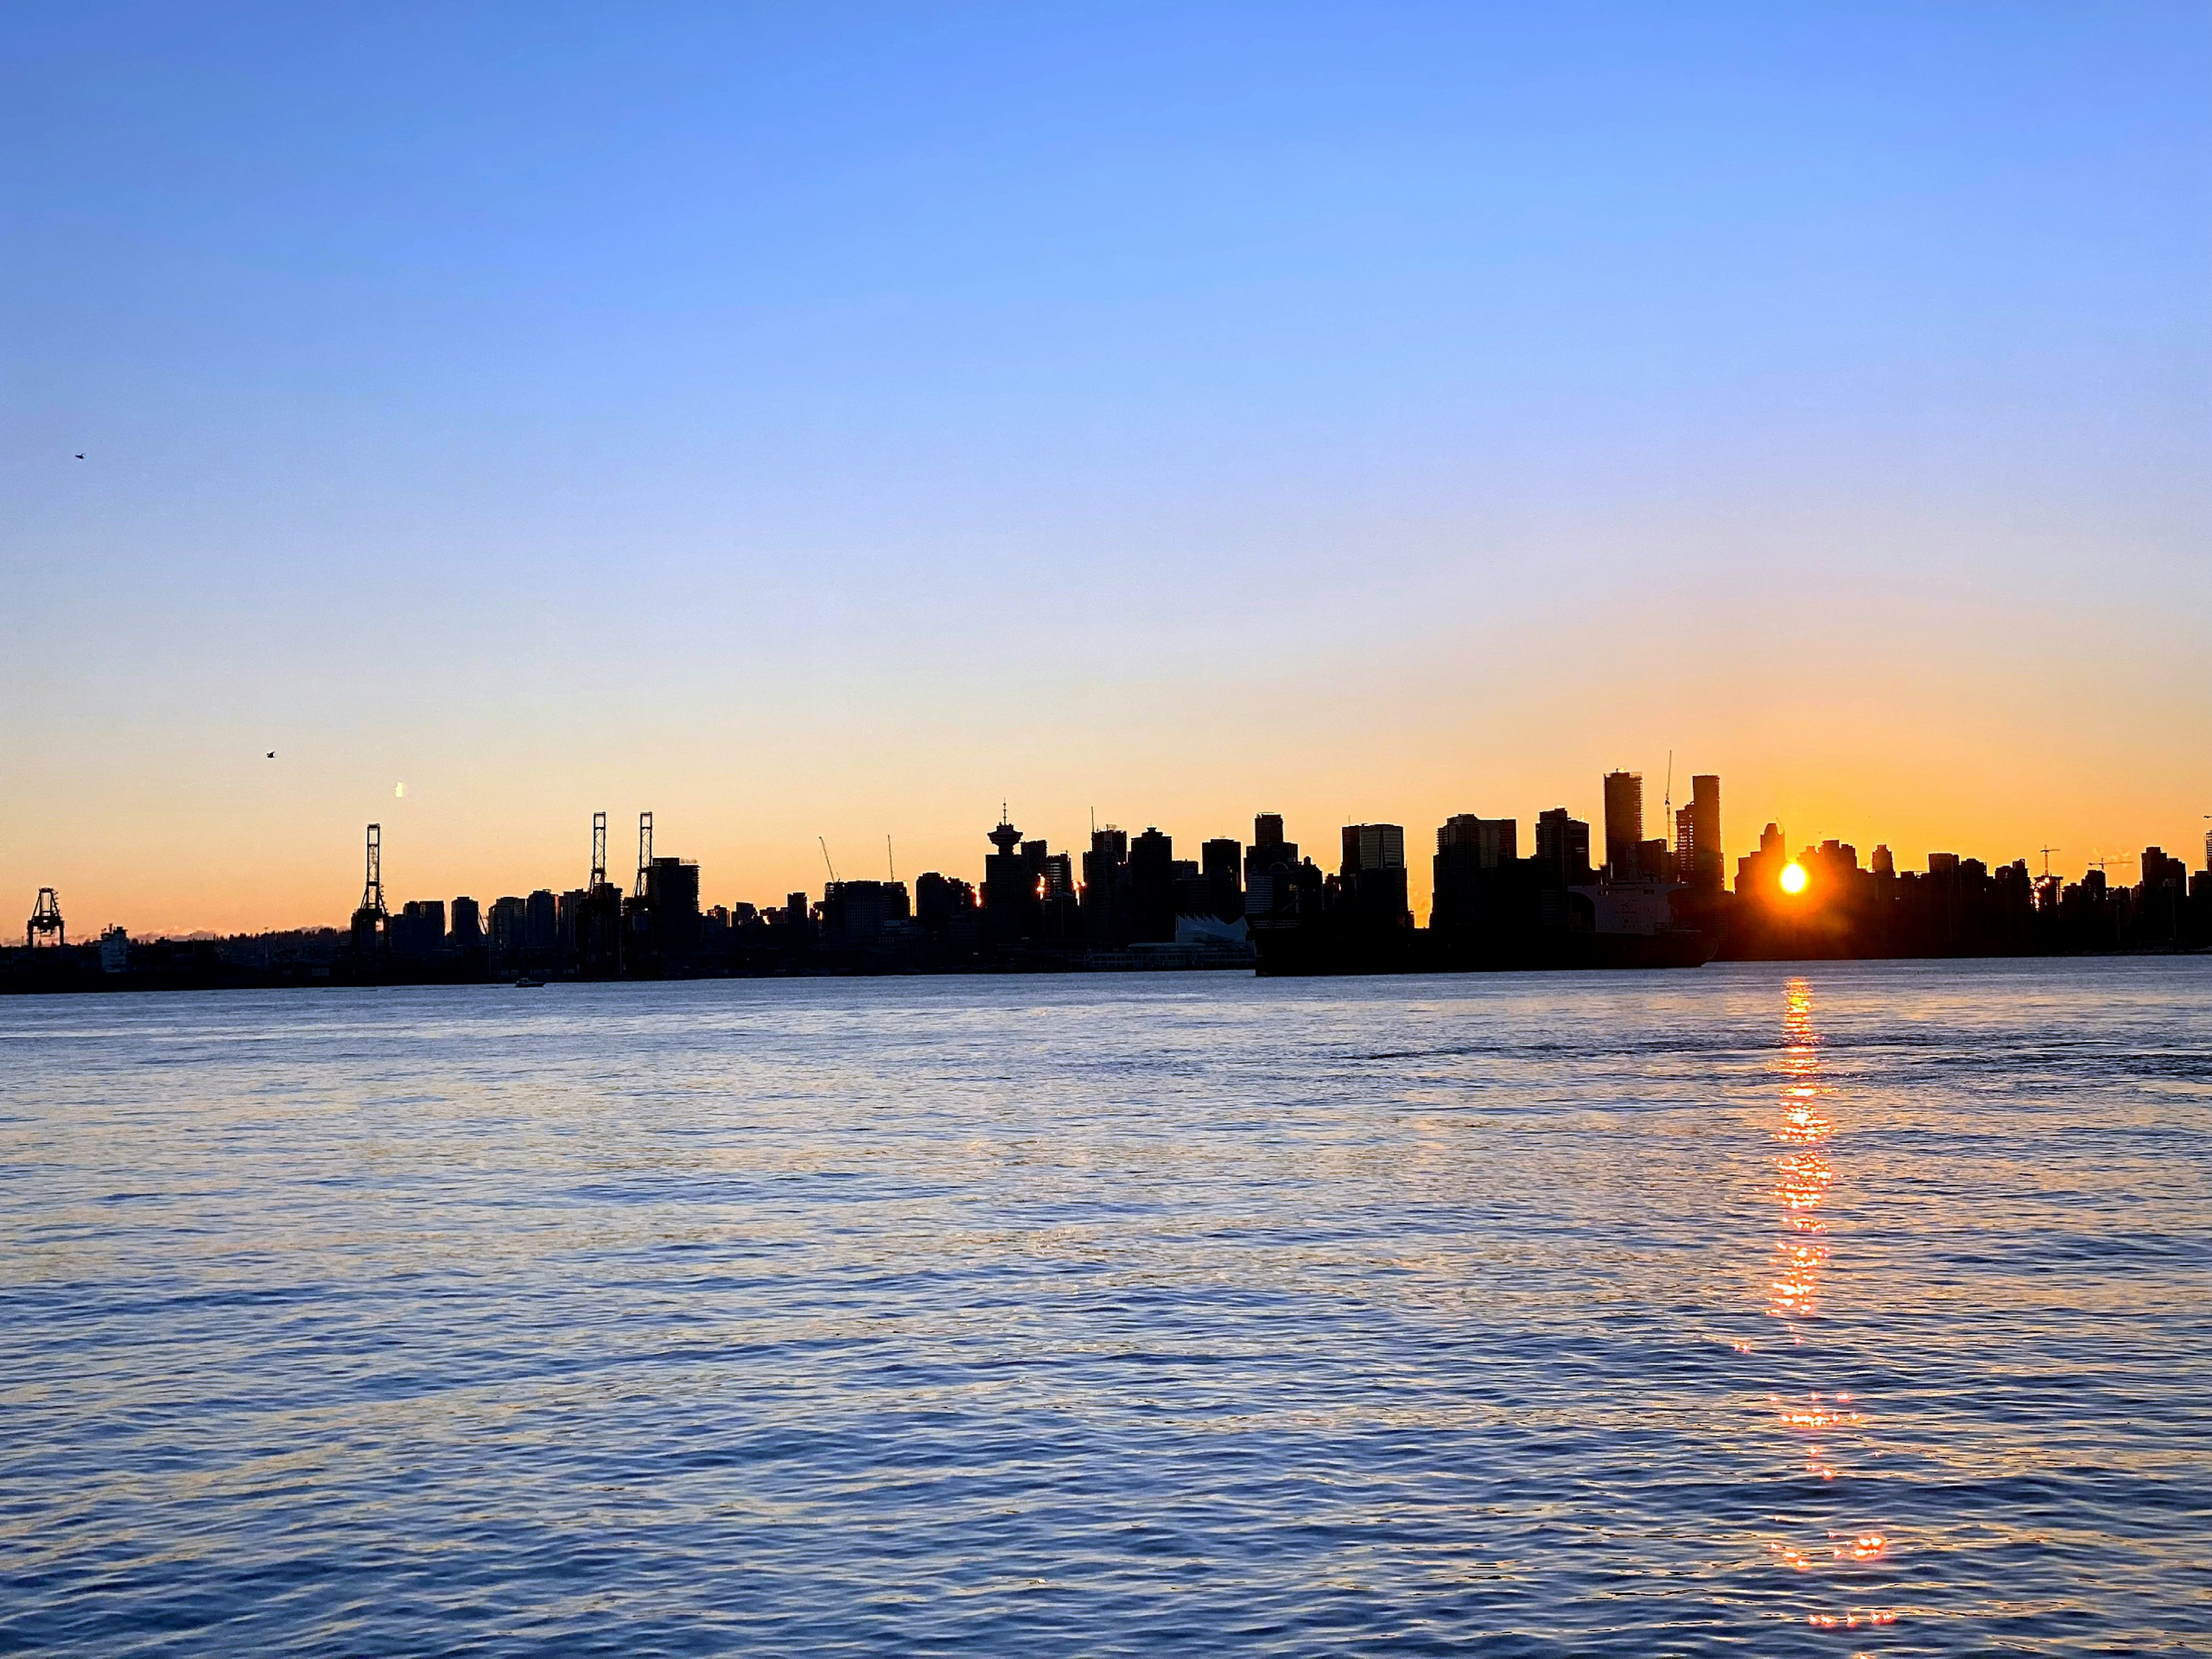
[1805, 1180]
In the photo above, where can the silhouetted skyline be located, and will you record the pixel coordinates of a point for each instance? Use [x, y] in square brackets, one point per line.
[806, 429]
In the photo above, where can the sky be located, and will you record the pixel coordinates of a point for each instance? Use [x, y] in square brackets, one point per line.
[833, 421]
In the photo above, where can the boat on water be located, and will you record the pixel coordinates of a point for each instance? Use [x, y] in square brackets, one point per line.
[527, 983]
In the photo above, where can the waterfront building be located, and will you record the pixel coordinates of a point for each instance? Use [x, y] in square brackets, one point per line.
[1624, 823]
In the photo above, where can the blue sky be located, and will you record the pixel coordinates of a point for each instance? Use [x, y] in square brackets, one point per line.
[832, 420]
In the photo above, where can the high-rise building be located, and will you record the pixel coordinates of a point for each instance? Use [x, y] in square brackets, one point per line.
[541, 919]
[1372, 881]
[419, 930]
[857, 912]
[468, 926]
[1881, 860]
[1150, 873]
[1373, 847]
[1220, 861]
[1269, 862]
[1470, 850]
[1057, 871]
[1707, 869]
[1624, 821]
[1563, 848]
[508, 915]
[1490, 842]
[1104, 879]
[671, 897]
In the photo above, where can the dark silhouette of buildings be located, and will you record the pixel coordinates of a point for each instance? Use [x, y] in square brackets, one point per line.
[1699, 859]
[1562, 846]
[1623, 823]
[467, 934]
[1137, 905]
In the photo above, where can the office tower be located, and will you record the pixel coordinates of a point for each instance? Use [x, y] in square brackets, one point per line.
[1469, 851]
[1373, 877]
[570, 909]
[857, 912]
[1488, 843]
[671, 897]
[1653, 860]
[1221, 861]
[1057, 872]
[418, 931]
[506, 927]
[1269, 864]
[794, 919]
[1104, 881]
[468, 926]
[1942, 864]
[540, 922]
[1624, 821]
[1373, 847]
[1151, 876]
[1881, 861]
[1563, 848]
[1706, 868]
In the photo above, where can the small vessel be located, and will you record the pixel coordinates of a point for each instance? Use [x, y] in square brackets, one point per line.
[527, 983]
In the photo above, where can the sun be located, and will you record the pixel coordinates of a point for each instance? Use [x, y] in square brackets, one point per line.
[1793, 877]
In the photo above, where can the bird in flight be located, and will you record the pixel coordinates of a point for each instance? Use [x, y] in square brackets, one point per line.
[80, 458]
[272, 754]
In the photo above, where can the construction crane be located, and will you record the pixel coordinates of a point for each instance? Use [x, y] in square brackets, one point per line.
[2099, 860]
[890, 859]
[598, 853]
[2047, 852]
[824, 846]
[644, 849]
[45, 919]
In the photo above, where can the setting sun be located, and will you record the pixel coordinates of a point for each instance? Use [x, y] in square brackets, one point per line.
[1793, 877]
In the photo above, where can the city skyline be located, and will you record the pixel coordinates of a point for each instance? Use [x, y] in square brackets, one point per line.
[894, 857]
[811, 430]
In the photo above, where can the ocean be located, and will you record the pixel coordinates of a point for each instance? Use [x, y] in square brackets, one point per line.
[1826, 1309]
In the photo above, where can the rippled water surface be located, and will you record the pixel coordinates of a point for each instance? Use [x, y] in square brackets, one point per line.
[1834, 1310]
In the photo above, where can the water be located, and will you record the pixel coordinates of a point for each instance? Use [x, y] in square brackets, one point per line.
[1829, 1311]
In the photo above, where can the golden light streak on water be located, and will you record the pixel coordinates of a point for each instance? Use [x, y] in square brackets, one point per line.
[1805, 1180]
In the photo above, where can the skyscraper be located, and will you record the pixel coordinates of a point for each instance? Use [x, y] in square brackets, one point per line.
[1373, 877]
[1563, 848]
[1706, 868]
[1373, 847]
[1219, 860]
[1624, 821]
[1469, 851]
[1269, 862]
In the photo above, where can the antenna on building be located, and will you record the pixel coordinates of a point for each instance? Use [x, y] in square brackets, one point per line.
[45, 918]
[824, 846]
[599, 852]
[644, 849]
[372, 890]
